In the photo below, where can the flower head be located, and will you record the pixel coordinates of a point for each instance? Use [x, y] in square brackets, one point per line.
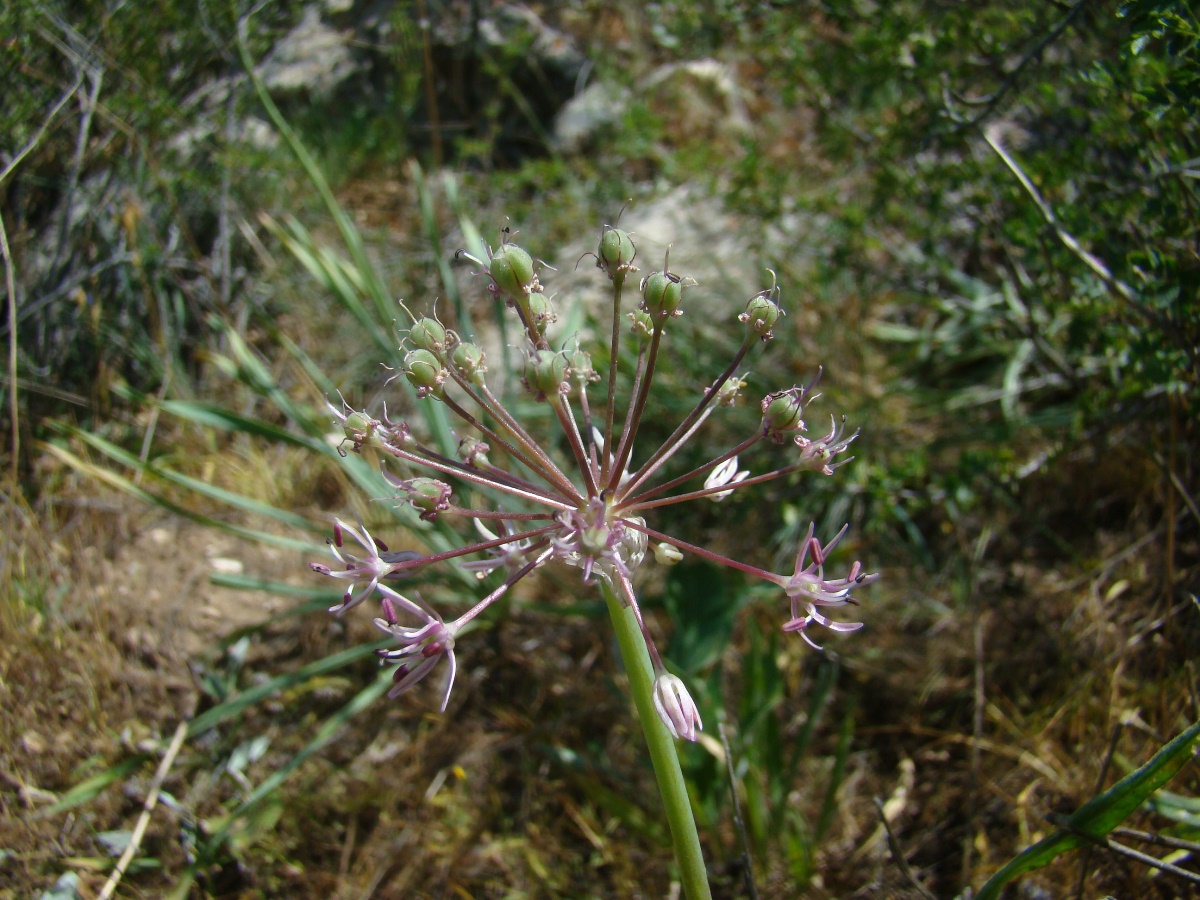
[363, 572]
[809, 588]
[583, 498]
[420, 647]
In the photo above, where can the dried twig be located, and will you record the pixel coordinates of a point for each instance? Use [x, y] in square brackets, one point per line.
[139, 830]
[1121, 850]
[1160, 840]
[992, 100]
[10, 281]
[10, 285]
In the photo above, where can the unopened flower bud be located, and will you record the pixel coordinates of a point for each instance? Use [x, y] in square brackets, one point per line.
[428, 334]
[512, 272]
[539, 311]
[676, 707]
[545, 373]
[424, 372]
[427, 495]
[730, 391]
[761, 315]
[582, 370]
[667, 554]
[781, 413]
[642, 327]
[615, 253]
[473, 451]
[467, 360]
[661, 293]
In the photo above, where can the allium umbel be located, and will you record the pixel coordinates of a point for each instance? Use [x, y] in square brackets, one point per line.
[585, 506]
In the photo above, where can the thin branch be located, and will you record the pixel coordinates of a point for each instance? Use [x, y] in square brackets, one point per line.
[37, 138]
[143, 821]
[1128, 852]
[87, 106]
[614, 348]
[1159, 840]
[1188, 499]
[992, 100]
[1089, 259]
[10, 285]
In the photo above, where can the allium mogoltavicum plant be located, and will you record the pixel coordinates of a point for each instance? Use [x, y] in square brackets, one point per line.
[587, 509]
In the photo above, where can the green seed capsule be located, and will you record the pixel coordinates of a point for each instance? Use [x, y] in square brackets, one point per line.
[424, 372]
[358, 427]
[428, 495]
[539, 310]
[642, 328]
[761, 315]
[545, 373]
[661, 293]
[512, 272]
[467, 360]
[781, 413]
[616, 252]
[428, 334]
[582, 370]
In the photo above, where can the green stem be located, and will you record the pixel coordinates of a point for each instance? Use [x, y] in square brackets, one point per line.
[662, 749]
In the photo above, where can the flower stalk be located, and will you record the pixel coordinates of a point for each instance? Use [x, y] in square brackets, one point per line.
[584, 506]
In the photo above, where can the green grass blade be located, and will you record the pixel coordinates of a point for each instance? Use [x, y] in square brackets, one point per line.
[126, 486]
[196, 486]
[333, 273]
[247, 698]
[372, 285]
[89, 788]
[325, 734]
[1101, 814]
[837, 776]
[433, 234]
[349, 233]
[213, 416]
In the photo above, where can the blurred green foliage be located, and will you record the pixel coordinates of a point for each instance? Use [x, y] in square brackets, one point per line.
[996, 341]
[1099, 106]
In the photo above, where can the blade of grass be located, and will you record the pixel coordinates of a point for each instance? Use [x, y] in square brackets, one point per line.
[373, 286]
[325, 734]
[433, 234]
[126, 486]
[840, 758]
[247, 698]
[1101, 814]
[195, 485]
[89, 788]
[330, 271]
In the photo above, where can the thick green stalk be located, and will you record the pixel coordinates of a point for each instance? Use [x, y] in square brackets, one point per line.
[662, 749]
